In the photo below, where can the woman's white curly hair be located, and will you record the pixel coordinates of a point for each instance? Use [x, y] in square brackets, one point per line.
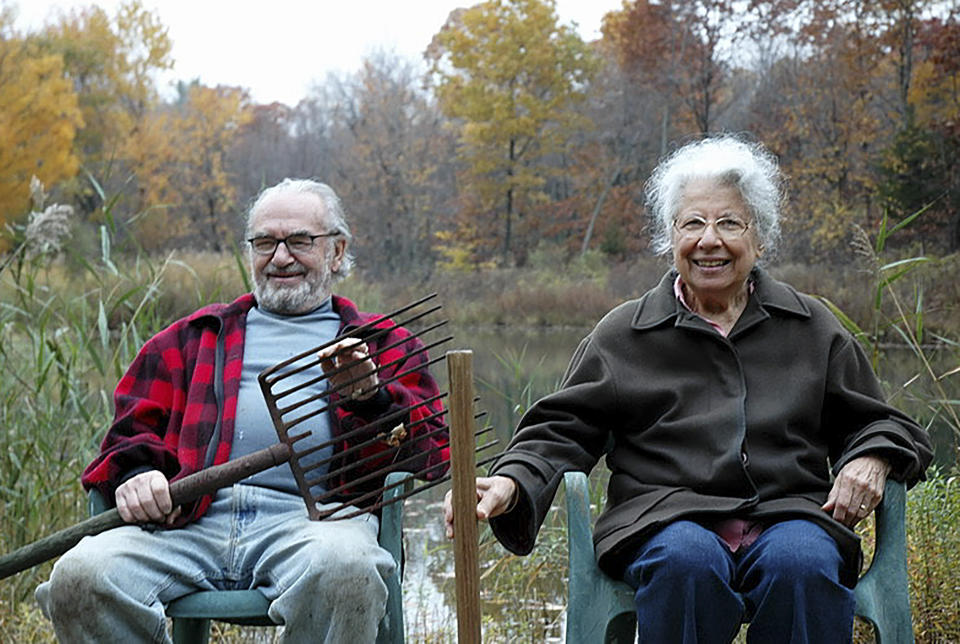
[730, 161]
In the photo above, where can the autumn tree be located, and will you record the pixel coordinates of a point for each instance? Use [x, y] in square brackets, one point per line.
[601, 209]
[683, 50]
[189, 195]
[919, 169]
[509, 75]
[840, 109]
[262, 152]
[39, 118]
[815, 108]
[112, 63]
[392, 160]
[207, 124]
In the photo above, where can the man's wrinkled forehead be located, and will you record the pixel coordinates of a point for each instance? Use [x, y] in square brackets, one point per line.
[289, 209]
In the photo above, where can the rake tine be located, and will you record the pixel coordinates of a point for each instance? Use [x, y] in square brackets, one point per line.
[392, 450]
[340, 369]
[389, 418]
[379, 437]
[352, 333]
[271, 403]
[313, 363]
[395, 377]
[326, 513]
[387, 452]
[397, 465]
[400, 497]
[368, 335]
[326, 394]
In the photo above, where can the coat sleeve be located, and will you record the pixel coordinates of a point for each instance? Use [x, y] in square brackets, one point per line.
[861, 422]
[564, 431]
[136, 440]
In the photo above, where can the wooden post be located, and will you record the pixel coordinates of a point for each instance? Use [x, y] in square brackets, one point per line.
[463, 462]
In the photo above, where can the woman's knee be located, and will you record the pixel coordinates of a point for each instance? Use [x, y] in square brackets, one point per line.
[796, 551]
[683, 550]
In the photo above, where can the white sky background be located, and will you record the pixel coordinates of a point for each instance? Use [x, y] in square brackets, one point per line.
[279, 48]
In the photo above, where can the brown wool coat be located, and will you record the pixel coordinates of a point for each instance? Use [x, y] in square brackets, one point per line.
[699, 426]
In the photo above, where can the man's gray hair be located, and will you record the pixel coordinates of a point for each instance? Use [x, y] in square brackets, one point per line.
[730, 161]
[331, 203]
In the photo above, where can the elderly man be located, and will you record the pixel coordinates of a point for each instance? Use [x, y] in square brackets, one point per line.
[191, 399]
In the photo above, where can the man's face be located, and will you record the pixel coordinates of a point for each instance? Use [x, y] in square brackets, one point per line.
[294, 283]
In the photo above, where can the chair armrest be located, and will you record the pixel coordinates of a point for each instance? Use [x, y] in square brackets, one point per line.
[391, 517]
[391, 539]
[599, 608]
[882, 593]
[96, 503]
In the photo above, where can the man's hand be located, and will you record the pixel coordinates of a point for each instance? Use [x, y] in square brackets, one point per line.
[495, 495]
[857, 490]
[146, 498]
[352, 352]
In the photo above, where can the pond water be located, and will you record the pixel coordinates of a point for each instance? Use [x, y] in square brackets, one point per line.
[512, 368]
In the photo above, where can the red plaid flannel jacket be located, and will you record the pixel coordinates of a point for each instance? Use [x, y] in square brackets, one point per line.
[170, 404]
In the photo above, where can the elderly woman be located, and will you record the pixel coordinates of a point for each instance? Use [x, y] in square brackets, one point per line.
[743, 427]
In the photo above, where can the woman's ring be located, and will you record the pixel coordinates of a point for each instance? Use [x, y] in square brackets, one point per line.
[863, 506]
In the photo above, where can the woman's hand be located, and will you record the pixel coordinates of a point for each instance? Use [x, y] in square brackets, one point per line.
[495, 495]
[146, 498]
[857, 490]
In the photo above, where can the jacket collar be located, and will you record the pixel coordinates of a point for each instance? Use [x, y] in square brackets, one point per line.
[241, 305]
[660, 305]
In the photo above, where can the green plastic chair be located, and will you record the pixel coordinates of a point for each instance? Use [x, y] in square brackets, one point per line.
[601, 609]
[191, 614]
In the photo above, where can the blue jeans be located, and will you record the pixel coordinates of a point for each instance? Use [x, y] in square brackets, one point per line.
[325, 579]
[691, 588]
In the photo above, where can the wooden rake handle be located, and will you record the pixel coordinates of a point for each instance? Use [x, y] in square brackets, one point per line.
[463, 464]
[189, 488]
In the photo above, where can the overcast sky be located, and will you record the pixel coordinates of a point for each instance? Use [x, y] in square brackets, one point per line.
[279, 48]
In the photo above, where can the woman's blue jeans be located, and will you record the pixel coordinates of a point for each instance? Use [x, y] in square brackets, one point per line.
[691, 588]
[325, 579]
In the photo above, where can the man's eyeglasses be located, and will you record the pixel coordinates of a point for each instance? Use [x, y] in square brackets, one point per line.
[727, 228]
[299, 243]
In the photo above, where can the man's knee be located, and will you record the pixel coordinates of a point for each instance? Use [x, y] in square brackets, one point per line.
[350, 569]
[76, 585]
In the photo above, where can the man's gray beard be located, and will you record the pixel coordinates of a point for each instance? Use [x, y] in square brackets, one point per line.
[302, 298]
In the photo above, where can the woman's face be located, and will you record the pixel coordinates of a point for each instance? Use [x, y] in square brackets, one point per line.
[712, 251]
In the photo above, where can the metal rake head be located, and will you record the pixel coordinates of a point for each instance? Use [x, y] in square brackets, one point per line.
[343, 476]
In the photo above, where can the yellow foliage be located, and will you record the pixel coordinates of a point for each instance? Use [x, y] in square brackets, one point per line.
[934, 96]
[513, 77]
[111, 63]
[459, 251]
[180, 157]
[39, 118]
